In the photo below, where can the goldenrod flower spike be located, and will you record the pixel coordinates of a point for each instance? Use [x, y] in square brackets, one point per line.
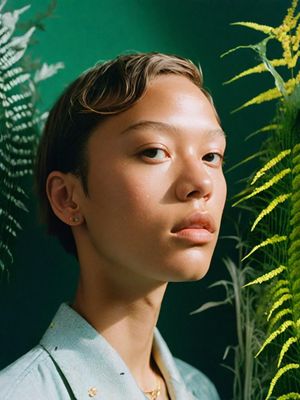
[257, 70]
[257, 27]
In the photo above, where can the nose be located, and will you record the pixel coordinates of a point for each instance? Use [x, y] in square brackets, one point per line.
[194, 181]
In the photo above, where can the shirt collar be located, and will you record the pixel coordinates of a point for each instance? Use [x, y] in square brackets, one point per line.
[94, 369]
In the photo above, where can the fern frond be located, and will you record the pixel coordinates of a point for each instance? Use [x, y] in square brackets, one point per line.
[278, 304]
[19, 124]
[289, 396]
[276, 178]
[46, 71]
[278, 316]
[250, 158]
[295, 246]
[274, 161]
[279, 374]
[274, 203]
[283, 327]
[266, 277]
[278, 285]
[270, 241]
[285, 348]
[267, 128]
[296, 283]
[280, 292]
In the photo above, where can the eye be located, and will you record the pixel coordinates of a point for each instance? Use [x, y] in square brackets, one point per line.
[154, 153]
[214, 158]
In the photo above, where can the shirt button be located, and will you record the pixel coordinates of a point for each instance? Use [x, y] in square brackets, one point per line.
[92, 392]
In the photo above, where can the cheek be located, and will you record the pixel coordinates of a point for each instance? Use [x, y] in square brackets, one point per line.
[219, 190]
[123, 195]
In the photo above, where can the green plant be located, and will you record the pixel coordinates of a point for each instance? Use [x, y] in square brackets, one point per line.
[19, 126]
[269, 305]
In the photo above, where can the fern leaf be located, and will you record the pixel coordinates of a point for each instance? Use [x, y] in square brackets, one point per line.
[280, 292]
[270, 164]
[285, 348]
[289, 396]
[295, 246]
[278, 304]
[278, 316]
[19, 125]
[283, 327]
[278, 285]
[270, 241]
[274, 203]
[295, 232]
[296, 283]
[47, 71]
[267, 128]
[276, 178]
[279, 374]
[268, 276]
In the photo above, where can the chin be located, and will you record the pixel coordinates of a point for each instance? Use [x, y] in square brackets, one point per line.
[191, 266]
[192, 278]
[190, 274]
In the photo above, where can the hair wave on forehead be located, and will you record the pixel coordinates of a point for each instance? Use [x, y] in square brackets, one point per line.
[115, 85]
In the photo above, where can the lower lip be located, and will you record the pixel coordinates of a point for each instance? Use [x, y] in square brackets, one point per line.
[197, 236]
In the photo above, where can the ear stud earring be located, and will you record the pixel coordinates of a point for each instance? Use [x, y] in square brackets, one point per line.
[75, 219]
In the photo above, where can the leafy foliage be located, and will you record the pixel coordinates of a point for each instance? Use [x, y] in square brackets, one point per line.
[273, 194]
[19, 127]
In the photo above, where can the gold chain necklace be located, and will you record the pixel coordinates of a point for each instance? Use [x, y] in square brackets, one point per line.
[153, 394]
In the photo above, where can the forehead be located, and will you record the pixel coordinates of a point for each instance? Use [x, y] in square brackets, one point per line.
[163, 126]
[172, 104]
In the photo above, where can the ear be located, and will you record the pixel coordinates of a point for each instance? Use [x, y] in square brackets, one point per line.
[61, 191]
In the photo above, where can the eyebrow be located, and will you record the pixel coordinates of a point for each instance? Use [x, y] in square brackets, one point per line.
[163, 126]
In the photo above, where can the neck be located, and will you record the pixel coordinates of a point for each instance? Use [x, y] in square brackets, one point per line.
[125, 314]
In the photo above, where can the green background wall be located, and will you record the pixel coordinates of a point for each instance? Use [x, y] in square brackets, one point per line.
[80, 33]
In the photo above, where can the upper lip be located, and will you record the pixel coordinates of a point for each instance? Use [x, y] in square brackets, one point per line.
[196, 220]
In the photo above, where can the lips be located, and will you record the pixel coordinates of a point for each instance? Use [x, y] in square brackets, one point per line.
[197, 228]
[197, 220]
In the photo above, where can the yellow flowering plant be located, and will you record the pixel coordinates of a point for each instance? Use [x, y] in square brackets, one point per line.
[265, 285]
[274, 193]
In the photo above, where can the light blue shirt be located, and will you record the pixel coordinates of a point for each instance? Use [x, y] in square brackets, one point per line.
[73, 361]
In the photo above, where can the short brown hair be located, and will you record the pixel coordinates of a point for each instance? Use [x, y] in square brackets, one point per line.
[106, 89]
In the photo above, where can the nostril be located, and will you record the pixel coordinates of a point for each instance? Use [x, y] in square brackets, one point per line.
[194, 193]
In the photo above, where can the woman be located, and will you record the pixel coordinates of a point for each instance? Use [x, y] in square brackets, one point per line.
[129, 178]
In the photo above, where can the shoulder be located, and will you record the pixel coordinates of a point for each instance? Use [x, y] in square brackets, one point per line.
[196, 382]
[33, 375]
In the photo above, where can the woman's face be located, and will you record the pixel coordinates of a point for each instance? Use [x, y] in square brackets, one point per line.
[156, 190]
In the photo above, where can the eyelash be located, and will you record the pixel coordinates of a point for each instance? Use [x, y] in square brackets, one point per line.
[216, 154]
[142, 153]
